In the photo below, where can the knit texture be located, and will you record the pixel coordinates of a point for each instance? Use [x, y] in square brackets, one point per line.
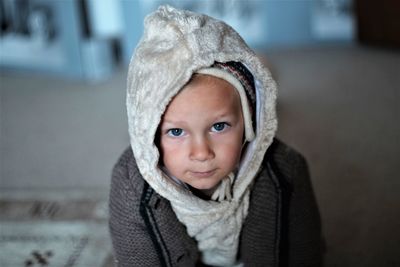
[282, 227]
[245, 77]
[176, 44]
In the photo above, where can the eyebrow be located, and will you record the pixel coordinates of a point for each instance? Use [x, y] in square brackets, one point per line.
[219, 116]
[173, 122]
[225, 114]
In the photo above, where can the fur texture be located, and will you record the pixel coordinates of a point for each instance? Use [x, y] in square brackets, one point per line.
[176, 44]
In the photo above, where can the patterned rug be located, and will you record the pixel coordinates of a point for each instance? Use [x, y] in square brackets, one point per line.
[62, 234]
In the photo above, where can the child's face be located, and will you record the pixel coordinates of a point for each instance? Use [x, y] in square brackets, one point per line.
[202, 132]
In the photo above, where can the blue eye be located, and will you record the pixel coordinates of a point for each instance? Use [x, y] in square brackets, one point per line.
[175, 132]
[219, 126]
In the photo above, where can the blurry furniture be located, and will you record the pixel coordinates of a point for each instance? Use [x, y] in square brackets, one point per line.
[378, 22]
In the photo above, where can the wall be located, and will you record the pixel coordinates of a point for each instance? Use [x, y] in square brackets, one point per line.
[84, 38]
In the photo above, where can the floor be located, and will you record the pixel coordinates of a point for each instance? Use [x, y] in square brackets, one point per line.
[341, 108]
[338, 105]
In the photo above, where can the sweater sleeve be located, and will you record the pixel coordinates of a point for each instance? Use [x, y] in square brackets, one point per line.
[304, 226]
[131, 242]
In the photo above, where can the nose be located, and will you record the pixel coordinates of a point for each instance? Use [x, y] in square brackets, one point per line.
[201, 150]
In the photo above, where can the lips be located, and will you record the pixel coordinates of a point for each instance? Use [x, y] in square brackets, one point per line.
[202, 174]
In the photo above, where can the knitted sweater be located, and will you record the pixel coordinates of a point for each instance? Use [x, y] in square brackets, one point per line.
[282, 227]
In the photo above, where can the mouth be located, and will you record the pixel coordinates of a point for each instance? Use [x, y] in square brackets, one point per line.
[203, 174]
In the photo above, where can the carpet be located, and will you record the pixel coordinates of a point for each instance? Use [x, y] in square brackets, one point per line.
[62, 234]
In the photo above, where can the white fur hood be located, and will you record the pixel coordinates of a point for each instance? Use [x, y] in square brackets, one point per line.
[175, 44]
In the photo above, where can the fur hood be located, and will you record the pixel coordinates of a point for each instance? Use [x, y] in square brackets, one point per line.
[176, 44]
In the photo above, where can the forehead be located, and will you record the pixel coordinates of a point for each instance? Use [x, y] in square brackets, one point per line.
[205, 92]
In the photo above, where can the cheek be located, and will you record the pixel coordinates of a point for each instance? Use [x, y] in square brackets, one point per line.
[230, 151]
[171, 153]
[235, 153]
[170, 146]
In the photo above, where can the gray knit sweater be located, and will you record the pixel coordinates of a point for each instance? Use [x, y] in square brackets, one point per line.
[282, 227]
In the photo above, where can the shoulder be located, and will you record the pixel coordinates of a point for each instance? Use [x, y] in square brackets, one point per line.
[127, 185]
[126, 174]
[124, 159]
[285, 161]
[301, 240]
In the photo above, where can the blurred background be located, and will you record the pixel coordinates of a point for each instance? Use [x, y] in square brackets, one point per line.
[63, 67]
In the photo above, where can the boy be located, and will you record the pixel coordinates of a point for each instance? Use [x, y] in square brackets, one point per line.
[205, 183]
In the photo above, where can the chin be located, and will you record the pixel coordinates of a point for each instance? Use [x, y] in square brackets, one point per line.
[205, 186]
